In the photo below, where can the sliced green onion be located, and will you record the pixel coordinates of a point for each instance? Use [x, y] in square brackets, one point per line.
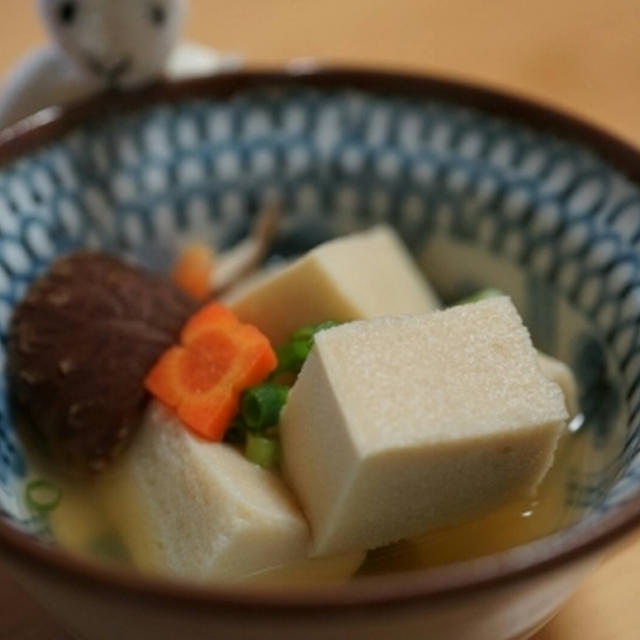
[42, 496]
[262, 451]
[483, 294]
[292, 354]
[260, 406]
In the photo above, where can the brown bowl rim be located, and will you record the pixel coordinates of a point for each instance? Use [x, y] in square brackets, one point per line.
[368, 594]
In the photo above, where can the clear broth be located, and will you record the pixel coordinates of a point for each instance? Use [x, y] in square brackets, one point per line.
[91, 518]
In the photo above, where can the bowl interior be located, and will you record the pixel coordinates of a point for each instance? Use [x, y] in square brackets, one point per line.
[479, 200]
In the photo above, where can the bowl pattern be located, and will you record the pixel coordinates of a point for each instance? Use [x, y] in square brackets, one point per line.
[143, 182]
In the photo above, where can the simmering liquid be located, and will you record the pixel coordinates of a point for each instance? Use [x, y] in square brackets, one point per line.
[90, 518]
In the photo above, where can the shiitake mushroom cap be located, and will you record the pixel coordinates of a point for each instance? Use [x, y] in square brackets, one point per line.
[80, 345]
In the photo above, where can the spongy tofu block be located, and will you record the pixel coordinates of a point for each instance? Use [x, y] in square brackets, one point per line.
[399, 425]
[213, 515]
[360, 276]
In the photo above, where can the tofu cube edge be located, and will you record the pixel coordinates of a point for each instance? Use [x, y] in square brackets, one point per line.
[211, 513]
[352, 277]
[398, 425]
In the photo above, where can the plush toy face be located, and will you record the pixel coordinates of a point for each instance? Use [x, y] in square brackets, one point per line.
[117, 42]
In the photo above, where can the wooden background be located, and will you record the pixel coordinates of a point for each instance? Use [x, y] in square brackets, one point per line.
[582, 55]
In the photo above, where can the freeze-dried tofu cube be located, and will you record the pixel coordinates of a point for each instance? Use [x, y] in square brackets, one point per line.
[399, 425]
[364, 275]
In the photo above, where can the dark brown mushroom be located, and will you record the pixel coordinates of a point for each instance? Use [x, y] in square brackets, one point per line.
[80, 345]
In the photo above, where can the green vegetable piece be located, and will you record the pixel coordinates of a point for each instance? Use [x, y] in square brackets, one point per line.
[292, 354]
[42, 496]
[260, 406]
[262, 451]
[483, 294]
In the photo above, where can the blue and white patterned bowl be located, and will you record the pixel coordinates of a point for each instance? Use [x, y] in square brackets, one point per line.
[485, 189]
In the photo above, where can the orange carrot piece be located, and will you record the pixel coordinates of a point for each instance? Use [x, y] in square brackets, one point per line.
[257, 361]
[206, 361]
[209, 419]
[202, 321]
[193, 271]
[203, 377]
[163, 381]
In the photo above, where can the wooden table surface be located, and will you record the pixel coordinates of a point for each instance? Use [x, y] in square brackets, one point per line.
[582, 55]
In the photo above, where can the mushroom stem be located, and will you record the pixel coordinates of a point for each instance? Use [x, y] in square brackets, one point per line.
[239, 261]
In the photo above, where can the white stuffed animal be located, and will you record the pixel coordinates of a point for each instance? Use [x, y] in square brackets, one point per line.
[103, 43]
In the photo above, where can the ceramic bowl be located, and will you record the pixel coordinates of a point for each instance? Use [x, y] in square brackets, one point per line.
[484, 188]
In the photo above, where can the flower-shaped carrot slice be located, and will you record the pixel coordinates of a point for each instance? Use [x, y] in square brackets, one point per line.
[202, 378]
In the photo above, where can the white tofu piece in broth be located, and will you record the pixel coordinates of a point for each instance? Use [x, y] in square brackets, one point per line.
[399, 425]
[364, 275]
[209, 512]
